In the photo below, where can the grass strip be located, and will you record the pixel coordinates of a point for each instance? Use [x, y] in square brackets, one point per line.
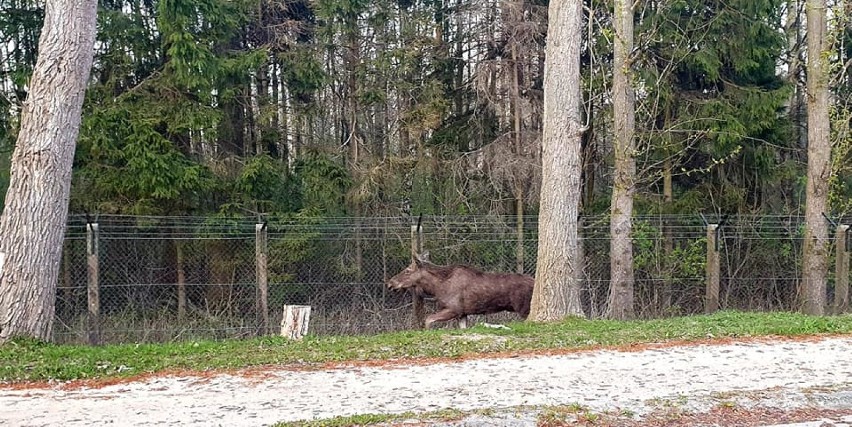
[28, 360]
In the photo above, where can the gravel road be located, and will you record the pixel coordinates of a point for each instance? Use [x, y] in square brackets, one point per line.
[784, 374]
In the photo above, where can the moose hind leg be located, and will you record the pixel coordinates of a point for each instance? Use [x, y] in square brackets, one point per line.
[463, 322]
[440, 316]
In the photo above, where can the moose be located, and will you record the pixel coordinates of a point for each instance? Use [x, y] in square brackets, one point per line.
[461, 290]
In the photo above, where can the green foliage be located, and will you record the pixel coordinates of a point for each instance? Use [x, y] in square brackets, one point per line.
[303, 73]
[267, 185]
[20, 26]
[170, 103]
[840, 194]
[124, 164]
[430, 108]
[723, 93]
[288, 251]
[685, 260]
[191, 31]
[7, 144]
[323, 183]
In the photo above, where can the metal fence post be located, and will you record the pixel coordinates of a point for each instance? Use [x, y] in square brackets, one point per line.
[262, 296]
[711, 300]
[94, 301]
[416, 251]
[841, 281]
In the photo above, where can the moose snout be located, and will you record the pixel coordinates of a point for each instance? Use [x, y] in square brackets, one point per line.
[396, 284]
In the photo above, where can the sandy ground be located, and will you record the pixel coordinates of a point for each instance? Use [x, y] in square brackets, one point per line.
[814, 373]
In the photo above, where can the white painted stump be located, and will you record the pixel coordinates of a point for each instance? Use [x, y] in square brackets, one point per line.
[294, 322]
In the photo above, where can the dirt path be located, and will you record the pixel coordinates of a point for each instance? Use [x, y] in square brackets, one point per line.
[787, 374]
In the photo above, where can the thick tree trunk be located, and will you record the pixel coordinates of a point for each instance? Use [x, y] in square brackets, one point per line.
[33, 222]
[621, 207]
[815, 248]
[558, 269]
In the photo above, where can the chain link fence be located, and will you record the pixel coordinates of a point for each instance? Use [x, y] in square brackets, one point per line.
[175, 278]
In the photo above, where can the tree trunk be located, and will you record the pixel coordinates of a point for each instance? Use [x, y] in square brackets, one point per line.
[815, 257]
[254, 100]
[794, 39]
[517, 122]
[668, 237]
[621, 207]
[557, 284]
[181, 278]
[230, 128]
[222, 266]
[590, 165]
[295, 321]
[352, 59]
[33, 222]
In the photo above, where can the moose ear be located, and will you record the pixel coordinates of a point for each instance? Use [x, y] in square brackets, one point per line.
[421, 259]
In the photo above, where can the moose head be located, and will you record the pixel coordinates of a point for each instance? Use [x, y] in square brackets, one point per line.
[412, 274]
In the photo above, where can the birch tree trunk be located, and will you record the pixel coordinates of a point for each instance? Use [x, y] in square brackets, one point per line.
[33, 223]
[815, 248]
[621, 207]
[559, 265]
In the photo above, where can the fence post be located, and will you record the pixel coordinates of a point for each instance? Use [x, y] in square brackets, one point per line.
[841, 281]
[417, 250]
[181, 278]
[711, 300]
[94, 300]
[67, 285]
[262, 296]
[519, 244]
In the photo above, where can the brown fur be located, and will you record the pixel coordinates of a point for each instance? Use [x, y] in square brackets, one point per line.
[462, 290]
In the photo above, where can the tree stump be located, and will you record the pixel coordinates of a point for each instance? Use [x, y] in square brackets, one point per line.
[294, 322]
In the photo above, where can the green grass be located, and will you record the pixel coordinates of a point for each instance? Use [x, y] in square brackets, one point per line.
[373, 419]
[26, 360]
[545, 415]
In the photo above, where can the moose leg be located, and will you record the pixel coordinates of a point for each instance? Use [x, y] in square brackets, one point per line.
[463, 322]
[441, 316]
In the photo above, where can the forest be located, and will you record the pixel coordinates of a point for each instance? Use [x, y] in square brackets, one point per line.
[385, 108]
[204, 118]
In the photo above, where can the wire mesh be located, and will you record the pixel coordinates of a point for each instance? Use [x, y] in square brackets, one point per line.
[177, 278]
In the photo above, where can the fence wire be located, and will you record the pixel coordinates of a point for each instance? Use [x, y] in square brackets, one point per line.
[178, 278]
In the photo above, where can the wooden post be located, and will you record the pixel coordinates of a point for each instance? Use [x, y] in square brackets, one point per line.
[417, 250]
[94, 300]
[711, 301]
[841, 281]
[294, 322]
[262, 295]
[181, 279]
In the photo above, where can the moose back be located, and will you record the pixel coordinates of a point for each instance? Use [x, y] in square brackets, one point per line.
[461, 290]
